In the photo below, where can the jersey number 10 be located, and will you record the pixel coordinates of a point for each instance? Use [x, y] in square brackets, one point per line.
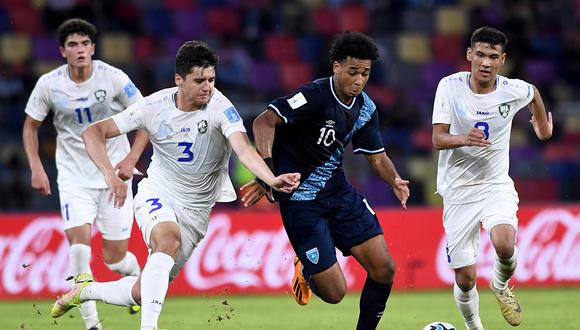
[327, 136]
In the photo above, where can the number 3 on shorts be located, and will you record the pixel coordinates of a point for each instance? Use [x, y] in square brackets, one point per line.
[154, 204]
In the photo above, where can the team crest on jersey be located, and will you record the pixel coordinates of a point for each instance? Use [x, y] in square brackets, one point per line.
[202, 126]
[504, 109]
[313, 255]
[101, 95]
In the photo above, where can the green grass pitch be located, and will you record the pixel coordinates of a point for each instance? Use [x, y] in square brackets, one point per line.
[543, 309]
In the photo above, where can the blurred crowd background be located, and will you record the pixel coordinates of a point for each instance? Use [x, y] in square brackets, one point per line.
[268, 48]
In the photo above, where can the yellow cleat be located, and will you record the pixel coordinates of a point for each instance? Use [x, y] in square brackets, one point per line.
[300, 289]
[510, 308]
[134, 309]
[72, 298]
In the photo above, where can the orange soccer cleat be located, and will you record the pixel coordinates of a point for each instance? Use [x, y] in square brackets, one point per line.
[300, 289]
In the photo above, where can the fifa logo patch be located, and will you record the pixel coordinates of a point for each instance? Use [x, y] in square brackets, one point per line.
[504, 109]
[313, 255]
[101, 95]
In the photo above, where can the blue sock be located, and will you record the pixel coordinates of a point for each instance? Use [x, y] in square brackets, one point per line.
[373, 301]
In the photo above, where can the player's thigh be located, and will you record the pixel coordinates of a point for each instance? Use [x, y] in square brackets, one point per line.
[115, 224]
[307, 227]
[462, 225]
[193, 224]
[501, 208]
[78, 206]
[152, 207]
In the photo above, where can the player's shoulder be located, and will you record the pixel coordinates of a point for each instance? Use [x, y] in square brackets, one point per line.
[105, 69]
[52, 77]
[219, 102]
[160, 97]
[513, 84]
[453, 80]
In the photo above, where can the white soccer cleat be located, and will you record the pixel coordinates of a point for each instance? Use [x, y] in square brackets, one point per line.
[510, 308]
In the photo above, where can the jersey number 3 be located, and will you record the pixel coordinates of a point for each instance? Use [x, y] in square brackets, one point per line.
[484, 127]
[188, 154]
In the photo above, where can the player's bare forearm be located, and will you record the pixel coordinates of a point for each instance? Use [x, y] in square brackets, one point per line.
[541, 121]
[139, 145]
[383, 167]
[95, 137]
[264, 128]
[30, 141]
[442, 139]
[250, 158]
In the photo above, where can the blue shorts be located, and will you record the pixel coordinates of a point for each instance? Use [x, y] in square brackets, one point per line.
[316, 227]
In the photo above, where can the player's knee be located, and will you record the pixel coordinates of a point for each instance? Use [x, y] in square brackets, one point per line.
[504, 250]
[385, 273]
[334, 297]
[169, 245]
[465, 284]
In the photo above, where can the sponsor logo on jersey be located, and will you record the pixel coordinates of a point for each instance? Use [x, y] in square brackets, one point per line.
[479, 112]
[202, 126]
[504, 109]
[297, 101]
[185, 129]
[313, 255]
[101, 95]
[232, 114]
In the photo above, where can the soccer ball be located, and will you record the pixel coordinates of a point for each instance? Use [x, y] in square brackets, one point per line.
[439, 326]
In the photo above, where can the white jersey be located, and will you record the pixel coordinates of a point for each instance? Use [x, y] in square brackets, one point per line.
[75, 106]
[190, 149]
[466, 174]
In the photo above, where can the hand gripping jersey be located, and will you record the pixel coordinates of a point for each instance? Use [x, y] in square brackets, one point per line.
[316, 130]
[75, 106]
[190, 149]
[465, 174]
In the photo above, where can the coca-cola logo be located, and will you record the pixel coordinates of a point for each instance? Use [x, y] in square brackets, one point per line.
[548, 250]
[35, 259]
[260, 258]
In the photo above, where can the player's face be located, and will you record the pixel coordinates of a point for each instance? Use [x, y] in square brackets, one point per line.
[197, 87]
[486, 60]
[351, 76]
[78, 50]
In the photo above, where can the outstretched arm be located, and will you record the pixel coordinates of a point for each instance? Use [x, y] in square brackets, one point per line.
[39, 179]
[249, 157]
[442, 139]
[126, 166]
[385, 169]
[95, 137]
[541, 122]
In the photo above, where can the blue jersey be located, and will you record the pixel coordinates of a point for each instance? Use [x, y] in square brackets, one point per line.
[316, 130]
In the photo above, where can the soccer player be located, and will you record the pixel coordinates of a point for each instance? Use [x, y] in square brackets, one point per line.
[308, 132]
[472, 119]
[79, 93]
[193, 128]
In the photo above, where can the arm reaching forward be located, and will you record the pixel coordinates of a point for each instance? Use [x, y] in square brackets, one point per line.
[385, 169]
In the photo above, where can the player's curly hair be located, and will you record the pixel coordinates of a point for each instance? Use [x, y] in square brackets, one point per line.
[75, 25]
[353, 44]
[194, 53]
[490, 36]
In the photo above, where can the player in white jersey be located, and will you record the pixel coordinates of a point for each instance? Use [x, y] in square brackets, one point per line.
[193, 128]
[79, 93]
[472, 119]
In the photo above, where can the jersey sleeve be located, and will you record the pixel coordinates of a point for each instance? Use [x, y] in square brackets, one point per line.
[38, 104]
[442, 104]
[132, 118]
[524, 92]
[297, 107]
[367, 139]
[229, 120]
[127, 92]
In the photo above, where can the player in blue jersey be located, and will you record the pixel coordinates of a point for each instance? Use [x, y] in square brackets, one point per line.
[308, 132]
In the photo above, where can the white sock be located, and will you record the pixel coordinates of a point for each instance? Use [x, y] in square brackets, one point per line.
[503, 270]
[79, 262]
[114, 293]
[128, 266]
[468, 304]
[154, 283]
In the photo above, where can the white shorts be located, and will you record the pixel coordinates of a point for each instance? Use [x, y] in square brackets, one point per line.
[80, 205]
[153, 206]
[462, 223]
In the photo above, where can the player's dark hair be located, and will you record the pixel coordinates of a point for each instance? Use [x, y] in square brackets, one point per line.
[194, 54]
[490, 36]
[353, 44]
[75, 25]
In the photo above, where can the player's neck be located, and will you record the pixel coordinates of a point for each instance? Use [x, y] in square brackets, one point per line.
[479, 87]
[80, 74]
[183, 105]
[343, 98]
